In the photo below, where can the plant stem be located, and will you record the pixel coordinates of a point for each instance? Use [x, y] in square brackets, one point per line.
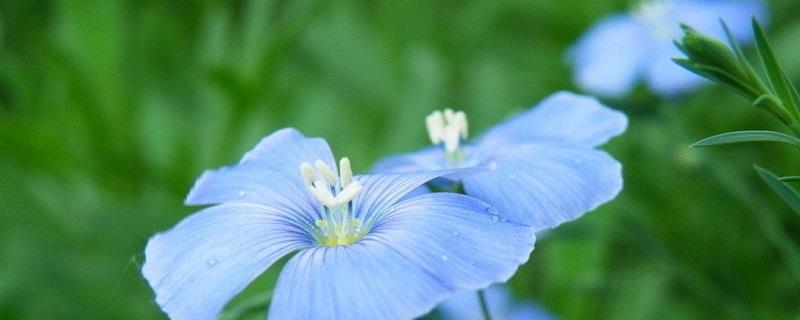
[484, 305]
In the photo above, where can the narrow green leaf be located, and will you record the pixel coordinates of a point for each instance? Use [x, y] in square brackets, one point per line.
[747, 136]
[775, 75]
[748, 68]
[790, 179]
[786, 192]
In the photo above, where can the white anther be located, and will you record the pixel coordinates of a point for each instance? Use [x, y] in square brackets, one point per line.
[307, 172]
[326, 171]
[461, 123]
[448, 127]
[345, 172]
[322, 191]
[435, 124]
[348, 194]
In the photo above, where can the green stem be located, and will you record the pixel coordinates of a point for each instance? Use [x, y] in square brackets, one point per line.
[484, 305]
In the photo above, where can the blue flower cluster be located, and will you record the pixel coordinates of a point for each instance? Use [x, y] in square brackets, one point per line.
[379, 246]
[383, 245]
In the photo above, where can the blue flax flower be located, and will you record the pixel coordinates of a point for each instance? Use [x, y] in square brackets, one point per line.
[623, 48]
[363, 250]
[542, 168]
[466, 306]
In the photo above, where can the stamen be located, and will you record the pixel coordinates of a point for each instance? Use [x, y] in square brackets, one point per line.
[448, 127]
[338, 226]
[326, 171]
[345, 172]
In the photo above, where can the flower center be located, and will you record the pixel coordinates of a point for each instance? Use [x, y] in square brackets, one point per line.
[338, 226]
[448, 127]
[656, 15]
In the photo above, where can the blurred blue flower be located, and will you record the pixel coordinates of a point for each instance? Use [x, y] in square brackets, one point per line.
[541, 167]
[466, 306]
[623, 48]
[364, 253]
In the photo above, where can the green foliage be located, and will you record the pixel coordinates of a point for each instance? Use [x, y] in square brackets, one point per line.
[110, 109]
[747, 136]
[710, 58]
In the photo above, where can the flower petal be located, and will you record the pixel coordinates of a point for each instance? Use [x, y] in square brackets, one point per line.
[382, 190]
[563, 118]
[287, 148]
[196, 267]
[667, 78]
[366, 280]
[461, 240]
[704, 16]
[608, 59]
[544, 186]
[254, 183]
[430, 158]
[464, 305]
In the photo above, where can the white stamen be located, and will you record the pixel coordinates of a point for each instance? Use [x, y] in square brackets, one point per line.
[308, 173]
[448, 127]
[348, 193]
[322, 191]
[326, 172]
[345, 172]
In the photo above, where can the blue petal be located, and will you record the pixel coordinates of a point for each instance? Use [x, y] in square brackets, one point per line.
[382, 190]
[254, 183]
[461, 240]
[704, 16]
[544, 186]
[286, 149]
[426, 248]
[196, 267]
[668, 79]
[431, 158]
[564, 118]
[366, 280]
[609, 58]
[465, 305]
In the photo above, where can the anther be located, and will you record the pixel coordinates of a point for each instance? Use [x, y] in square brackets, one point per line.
[345, 172]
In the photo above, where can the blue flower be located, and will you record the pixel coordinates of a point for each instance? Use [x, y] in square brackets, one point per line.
[363, 250]
[623, 48]
[542, 168]
[466, 306]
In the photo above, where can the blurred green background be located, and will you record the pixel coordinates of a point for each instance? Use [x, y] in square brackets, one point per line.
[110, 109]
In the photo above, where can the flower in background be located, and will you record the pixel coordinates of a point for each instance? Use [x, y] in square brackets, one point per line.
[466, 306]
[363, 250]
[626, 47]
[542, 168]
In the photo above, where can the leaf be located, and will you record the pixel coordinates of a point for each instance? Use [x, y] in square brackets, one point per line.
[786, 192]
[790, 179]
[751, 74]
[747, 136]
[777, 78]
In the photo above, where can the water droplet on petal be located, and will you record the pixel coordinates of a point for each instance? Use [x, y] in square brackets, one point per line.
[495, 218]
[241, 193]
[455, 233]
[445, 258]
[492, 210]
[211, 262]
